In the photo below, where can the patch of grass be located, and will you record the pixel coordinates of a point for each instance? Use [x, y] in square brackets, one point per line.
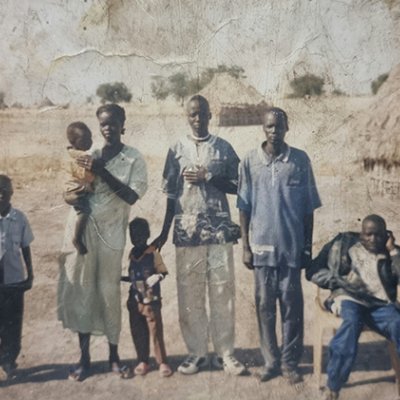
[29, 169]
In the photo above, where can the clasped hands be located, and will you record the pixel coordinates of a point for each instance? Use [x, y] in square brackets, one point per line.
[195, 175]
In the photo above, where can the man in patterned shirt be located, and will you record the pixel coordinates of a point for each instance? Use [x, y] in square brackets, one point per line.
[200, 169]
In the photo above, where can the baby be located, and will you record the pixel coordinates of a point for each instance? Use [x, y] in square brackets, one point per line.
[80, 185]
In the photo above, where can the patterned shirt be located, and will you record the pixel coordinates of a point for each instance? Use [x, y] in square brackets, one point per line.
[15, 233]
[277, 194]
[149, 263]
[202, 213]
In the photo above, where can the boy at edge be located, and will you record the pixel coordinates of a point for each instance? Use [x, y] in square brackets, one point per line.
[15, 238]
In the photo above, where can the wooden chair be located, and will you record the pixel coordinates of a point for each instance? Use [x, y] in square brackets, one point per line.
[326, 320]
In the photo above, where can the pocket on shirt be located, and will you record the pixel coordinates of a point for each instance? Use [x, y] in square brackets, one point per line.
[295, 192]
[294, 183]
[216, 167]
[296, 178]
[15, 234]
[16, 243]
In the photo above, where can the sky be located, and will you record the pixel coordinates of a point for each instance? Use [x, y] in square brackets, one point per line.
[64, 49]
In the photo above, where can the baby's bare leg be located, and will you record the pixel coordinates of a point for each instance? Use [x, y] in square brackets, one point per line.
[80, 226]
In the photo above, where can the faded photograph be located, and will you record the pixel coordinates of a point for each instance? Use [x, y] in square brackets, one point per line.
[200, 200]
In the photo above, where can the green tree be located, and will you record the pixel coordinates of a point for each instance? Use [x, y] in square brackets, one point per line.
[159, 88]
[307, 85]
[113, 93]
[377, 83]
[179, 86]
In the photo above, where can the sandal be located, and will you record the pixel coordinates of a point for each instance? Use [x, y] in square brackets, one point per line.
[125, 372]
[10, 370]
[165, 370]
[122, 370]
[142, 368]
[78, 373]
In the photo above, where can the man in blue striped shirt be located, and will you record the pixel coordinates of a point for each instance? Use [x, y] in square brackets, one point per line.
[277, 197]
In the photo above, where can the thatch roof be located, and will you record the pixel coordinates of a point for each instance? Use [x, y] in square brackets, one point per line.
[224, 90]
[376, 131]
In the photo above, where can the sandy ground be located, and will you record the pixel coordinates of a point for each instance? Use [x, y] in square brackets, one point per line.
[32, 144]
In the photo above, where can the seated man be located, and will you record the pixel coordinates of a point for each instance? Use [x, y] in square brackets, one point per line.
[362, 271]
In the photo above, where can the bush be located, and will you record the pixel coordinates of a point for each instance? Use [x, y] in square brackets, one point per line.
[113, 93]
[3, 105]
[306, 85]
[338, 92]
[159, 88]
[377, 83]
[180, 85]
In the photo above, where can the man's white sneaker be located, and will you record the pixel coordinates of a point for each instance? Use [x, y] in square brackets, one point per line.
[229, 364]
[192, 364]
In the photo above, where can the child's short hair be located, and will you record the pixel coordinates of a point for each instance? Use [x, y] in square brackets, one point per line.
[6, 180]
[114, 109]
[72, 130]
[139, 225]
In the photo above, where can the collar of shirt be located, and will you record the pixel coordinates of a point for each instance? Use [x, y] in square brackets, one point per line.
[10, 215]
[194, 139]
[363, 253]
[267, 159]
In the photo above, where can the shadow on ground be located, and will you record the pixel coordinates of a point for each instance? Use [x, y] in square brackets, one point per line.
[372, 356]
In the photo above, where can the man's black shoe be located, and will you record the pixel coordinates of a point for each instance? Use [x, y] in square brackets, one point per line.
[293, 376]
[270, 373]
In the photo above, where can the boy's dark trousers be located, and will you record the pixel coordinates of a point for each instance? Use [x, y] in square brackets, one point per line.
[145, 322]
[11, 315]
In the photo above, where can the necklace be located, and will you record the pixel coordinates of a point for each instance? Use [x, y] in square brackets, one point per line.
[201, 139]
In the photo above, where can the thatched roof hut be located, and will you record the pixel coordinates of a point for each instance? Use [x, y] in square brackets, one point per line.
[376, 134]
[233, 101]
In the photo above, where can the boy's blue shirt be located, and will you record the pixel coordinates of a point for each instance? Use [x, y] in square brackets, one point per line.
[15, 233]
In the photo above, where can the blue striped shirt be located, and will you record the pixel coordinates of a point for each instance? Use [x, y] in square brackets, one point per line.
[277, 194]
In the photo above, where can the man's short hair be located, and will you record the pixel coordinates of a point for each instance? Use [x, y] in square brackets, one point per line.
[376, 219]
[280, 113]
[203, 102]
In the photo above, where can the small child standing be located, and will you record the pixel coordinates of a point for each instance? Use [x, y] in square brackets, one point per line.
[146, 270]
[80, 185]
[15, 238]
